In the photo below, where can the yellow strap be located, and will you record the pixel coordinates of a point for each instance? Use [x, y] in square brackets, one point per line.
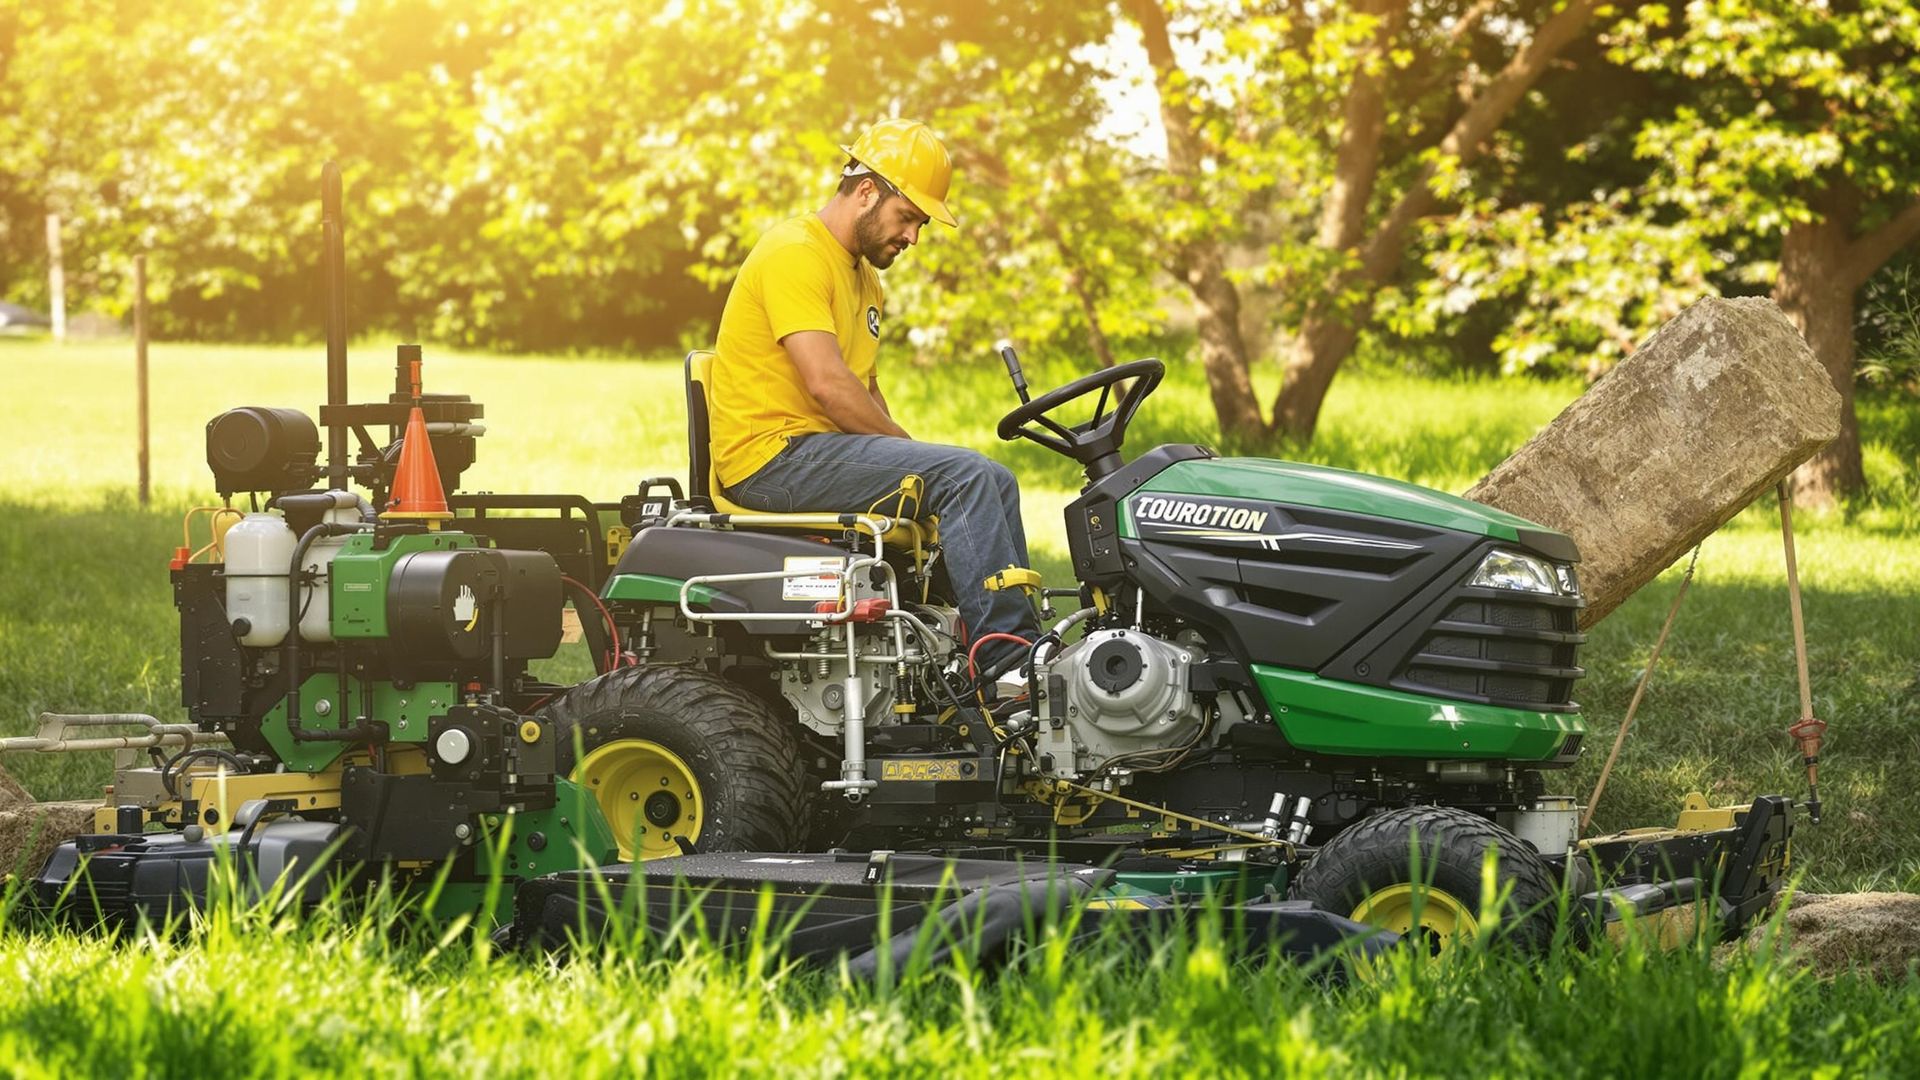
[909, 493]
[1013, 577]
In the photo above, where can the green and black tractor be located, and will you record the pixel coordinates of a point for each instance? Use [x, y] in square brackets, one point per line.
[1267, 677]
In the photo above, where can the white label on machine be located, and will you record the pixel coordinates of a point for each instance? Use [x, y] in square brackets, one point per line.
[825, 585]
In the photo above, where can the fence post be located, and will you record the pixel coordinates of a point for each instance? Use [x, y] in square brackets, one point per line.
[140, 367]
[56, 280]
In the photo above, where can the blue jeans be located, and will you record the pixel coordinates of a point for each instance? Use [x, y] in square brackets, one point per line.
[977, 499]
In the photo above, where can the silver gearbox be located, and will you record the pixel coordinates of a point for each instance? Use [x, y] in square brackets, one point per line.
[1123, 691]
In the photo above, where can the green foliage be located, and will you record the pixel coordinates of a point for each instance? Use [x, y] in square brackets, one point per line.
[526, 175]
[1743, 118]
[1789, 96]
[1891, 356]
[1579, 288]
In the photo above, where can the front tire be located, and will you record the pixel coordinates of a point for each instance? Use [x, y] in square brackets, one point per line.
[1367, 874]
[680, 759]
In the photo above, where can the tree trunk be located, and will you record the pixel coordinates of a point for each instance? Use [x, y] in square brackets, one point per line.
[1327, 335]
[1222, 350]
[1822, 266]
[1817, 294]
[1199, 261]
[1314, 353]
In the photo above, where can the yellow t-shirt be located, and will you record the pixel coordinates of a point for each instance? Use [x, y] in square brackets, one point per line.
[797, 277]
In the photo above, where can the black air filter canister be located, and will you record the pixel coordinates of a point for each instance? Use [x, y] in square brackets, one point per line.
[534, 600]
[434, 605]
[442, 605]
[262, 449]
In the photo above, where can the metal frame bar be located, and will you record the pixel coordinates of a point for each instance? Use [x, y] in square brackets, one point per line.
[51, 737]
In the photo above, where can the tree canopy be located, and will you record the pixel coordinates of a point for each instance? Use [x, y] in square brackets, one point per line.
[1520, 184]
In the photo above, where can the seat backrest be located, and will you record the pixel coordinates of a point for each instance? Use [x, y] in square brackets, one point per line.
[699, 369]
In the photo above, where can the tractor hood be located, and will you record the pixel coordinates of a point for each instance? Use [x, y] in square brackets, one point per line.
[1288, 483]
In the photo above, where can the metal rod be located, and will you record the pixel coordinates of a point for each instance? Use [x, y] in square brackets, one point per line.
[51, 735]
[1793, 602]
[333, 262]
[140, 372]
[875, 524]
[1633, 706]
[853, 770]
[839, 614]
[1808, 730]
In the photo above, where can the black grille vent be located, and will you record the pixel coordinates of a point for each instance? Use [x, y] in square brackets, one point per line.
[1501, 649]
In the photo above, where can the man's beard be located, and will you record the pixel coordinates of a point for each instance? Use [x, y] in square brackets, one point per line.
[871, 239]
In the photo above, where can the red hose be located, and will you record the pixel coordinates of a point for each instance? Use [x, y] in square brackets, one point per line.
[974, 672]
[613, 657]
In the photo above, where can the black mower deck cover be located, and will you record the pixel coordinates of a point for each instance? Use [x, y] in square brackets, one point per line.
[835, 904]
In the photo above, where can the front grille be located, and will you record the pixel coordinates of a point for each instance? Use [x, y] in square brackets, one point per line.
[1501, 649]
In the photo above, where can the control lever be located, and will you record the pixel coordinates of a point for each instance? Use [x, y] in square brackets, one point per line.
[1013, 372]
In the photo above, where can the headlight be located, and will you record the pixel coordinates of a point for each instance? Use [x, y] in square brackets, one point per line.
[1512, 570]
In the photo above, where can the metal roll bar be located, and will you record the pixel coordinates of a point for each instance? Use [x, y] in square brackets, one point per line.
[53, 735]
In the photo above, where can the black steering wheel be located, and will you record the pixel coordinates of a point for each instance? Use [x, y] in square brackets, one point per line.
[1096, 443]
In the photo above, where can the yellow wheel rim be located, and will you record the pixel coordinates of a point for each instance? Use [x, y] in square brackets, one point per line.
[648, 795]
[1433, 914]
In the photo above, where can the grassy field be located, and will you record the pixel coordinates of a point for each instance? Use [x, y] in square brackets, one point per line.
[86, 623]
[258, 996]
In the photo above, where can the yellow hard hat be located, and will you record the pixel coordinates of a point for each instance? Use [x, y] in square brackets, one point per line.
[908, 155]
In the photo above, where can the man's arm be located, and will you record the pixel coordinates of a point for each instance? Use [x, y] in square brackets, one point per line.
[880, 399]
[851, 407]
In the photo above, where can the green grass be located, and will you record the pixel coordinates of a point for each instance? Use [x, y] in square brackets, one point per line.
[360, 992]
[86, 623]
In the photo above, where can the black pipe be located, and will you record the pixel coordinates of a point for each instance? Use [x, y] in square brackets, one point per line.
[496, 600]
[593, 625]
[404, 358]
[333, 262]
[290, 650]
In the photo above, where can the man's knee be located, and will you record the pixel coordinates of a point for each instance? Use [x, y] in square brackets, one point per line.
[971, 469]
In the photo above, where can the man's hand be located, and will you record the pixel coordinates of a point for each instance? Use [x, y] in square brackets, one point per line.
[852, 407]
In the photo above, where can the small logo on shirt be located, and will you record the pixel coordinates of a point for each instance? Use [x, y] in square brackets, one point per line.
[873, 320]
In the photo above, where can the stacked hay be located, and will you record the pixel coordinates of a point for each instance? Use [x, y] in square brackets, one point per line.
[1711, 412]
[29, 830]
[1873, 933]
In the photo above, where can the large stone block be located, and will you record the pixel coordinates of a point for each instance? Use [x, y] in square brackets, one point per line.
[1715, 408]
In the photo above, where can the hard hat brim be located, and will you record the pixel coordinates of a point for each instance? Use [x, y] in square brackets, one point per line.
[927, 204]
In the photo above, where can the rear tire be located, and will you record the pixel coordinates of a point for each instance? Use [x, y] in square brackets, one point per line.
[1366, 873]
[678, 757]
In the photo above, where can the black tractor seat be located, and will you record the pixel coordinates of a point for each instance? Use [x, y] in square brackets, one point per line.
[703, 488]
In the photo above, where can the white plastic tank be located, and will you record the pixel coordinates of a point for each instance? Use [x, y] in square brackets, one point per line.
[259, 551]
[316, 595]
[1552, 825]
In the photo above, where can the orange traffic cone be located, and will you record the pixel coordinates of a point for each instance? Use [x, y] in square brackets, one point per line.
[417, 494]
